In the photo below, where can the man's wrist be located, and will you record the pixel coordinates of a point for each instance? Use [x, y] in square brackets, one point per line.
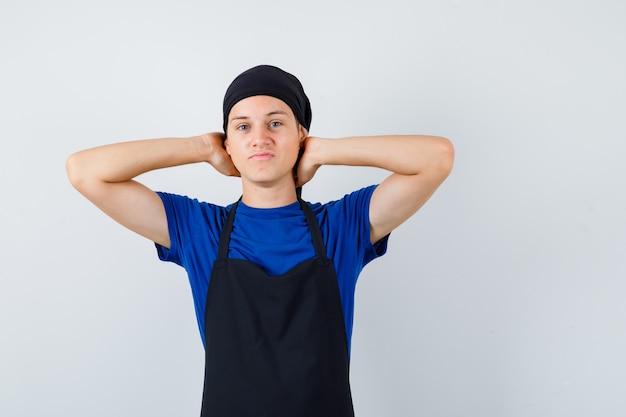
[207, 145]
[317, 149]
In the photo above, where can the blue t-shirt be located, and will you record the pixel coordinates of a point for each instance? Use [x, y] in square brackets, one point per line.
[277, 239]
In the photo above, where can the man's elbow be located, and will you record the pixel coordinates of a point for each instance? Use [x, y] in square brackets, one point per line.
[74, 166]
[445, 157]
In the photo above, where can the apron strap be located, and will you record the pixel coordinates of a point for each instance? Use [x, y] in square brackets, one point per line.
[222, 251]
[316, 233]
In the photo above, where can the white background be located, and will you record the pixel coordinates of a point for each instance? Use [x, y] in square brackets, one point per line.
[504, 296]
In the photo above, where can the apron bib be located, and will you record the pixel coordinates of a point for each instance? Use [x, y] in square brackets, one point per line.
[275, 345]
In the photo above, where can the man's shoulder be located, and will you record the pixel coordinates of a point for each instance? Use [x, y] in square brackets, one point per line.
[355, 199]
[192, 209]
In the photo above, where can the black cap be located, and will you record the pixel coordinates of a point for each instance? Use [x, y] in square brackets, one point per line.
[267, 80]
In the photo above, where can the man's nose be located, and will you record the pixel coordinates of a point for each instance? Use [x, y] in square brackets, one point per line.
[261, 136]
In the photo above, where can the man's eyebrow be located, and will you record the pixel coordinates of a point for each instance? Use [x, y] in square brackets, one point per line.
[272, 113]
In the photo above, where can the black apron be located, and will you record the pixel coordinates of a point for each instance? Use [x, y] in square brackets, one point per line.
[275, 345]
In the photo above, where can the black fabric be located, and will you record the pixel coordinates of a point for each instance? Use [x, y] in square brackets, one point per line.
[267, 80]
[275, 345]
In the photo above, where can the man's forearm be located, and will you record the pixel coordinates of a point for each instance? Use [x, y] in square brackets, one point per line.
[123, 161]
[401, 154]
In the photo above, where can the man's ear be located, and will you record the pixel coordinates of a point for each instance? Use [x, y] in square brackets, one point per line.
[226, 145]
[303, 133]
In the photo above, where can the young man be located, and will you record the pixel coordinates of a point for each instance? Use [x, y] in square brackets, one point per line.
[272, 276]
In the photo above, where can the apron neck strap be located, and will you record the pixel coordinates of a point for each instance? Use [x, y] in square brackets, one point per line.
[316, 233]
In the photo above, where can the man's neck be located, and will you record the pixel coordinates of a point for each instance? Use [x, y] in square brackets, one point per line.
[258, 196]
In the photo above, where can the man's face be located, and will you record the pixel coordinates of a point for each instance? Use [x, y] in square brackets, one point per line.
[263, 140]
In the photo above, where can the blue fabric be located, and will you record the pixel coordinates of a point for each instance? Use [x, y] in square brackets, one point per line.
[277, 239]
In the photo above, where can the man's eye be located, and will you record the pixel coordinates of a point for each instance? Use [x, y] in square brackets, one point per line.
[275, 124]
[242, 127]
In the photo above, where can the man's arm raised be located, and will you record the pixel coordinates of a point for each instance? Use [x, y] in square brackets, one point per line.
[419, 165]
[104, 175]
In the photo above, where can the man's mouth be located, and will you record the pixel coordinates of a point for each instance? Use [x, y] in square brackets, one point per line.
[262, 156]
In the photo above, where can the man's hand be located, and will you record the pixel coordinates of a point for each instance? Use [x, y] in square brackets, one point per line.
[217, 155]
[308, 165]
